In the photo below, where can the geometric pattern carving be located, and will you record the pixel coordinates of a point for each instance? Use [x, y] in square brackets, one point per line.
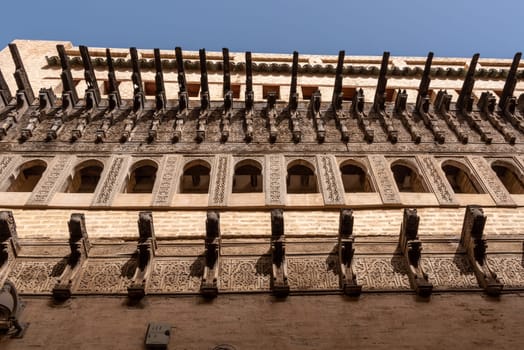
[110, 181]
[51, 179]
[495, 188]
[451, 272]
[245, 274]
[330, 180]
[384, 177]
[181, 275]
[437, 180]
[274, 180]
[7, 164]
[163, 193]
[219, 189]
[106, 276]
[509, 269]
[36, 276]
[382, 273]
[313, 272]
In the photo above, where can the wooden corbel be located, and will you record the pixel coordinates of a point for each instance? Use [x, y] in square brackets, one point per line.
[279, 281]
[146, 249]
[346, 252]
[209, 286]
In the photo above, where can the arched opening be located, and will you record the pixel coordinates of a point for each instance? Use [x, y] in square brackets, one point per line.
[86, 177]
[195, 178]
[248, 177]
[459, 180]
[407, 179]
[509, 178]
[355, 178]
[142, 178]
[28, 176]
[301, 178]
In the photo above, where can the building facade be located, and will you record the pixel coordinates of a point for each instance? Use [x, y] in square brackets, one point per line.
[255, 178]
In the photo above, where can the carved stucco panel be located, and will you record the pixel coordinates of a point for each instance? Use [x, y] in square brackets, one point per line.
[436, 178]
[180, 275]
[54, 176]
[167, 182]
[449, 272]
[7, 165]
[245, 274]
[330, 180]
[490, 180]
[36, 276]
[111, 181]
[313, 272]
[384, 179]
[275, 180]
[106, 276]
[221, 181]
[381, 273]
[509, 269]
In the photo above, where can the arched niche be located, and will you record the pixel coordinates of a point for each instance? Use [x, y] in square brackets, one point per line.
[460, 178]
[85, 177]
[510, 177]
[247, 177]
[142, 177]
[407, 177]
[301, 177]
[355, 177]
[27, 176]
[195, 178]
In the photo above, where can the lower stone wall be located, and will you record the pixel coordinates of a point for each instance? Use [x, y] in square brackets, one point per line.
[375, 321]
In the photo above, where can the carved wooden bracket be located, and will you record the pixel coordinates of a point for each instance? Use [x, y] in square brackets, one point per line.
[475, 245]
[9, 246]
[348, 278]
[209, 286]
[146, 249]
[411, 248]
[79, 245]
[279, 281]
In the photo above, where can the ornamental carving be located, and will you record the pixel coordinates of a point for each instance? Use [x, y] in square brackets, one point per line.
[166, 188]
[106, 193]
[313, 272]
[453, 272]
[51, 180]
[331, 188]
[510, 270]
[104, 276]
[495, 188]
[245, 274]
[181, 275]
[218, 191]
[275, 187]
[382, 172]
[438, 183]
[381, 273]
[36, 277]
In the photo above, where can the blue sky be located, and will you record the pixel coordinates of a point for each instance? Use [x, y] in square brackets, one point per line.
[404, 27]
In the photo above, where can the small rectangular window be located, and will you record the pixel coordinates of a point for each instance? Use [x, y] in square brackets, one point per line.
[307, 91]
[267, 89]
[193, 89]
[150, 88]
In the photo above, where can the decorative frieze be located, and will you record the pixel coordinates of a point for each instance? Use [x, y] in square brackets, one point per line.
[382, 272]
[496, 189]
[275, 180]
[330, 180]
[245, 274]
[450, 272]
[180, 275]
[435, 177]
[52, 179]
[7, 163]
[384, 178]
[167, 182]
[220, 186]
[313, 272]
[106, 276]
[36, 276]
[111, 179]
[510, 269]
